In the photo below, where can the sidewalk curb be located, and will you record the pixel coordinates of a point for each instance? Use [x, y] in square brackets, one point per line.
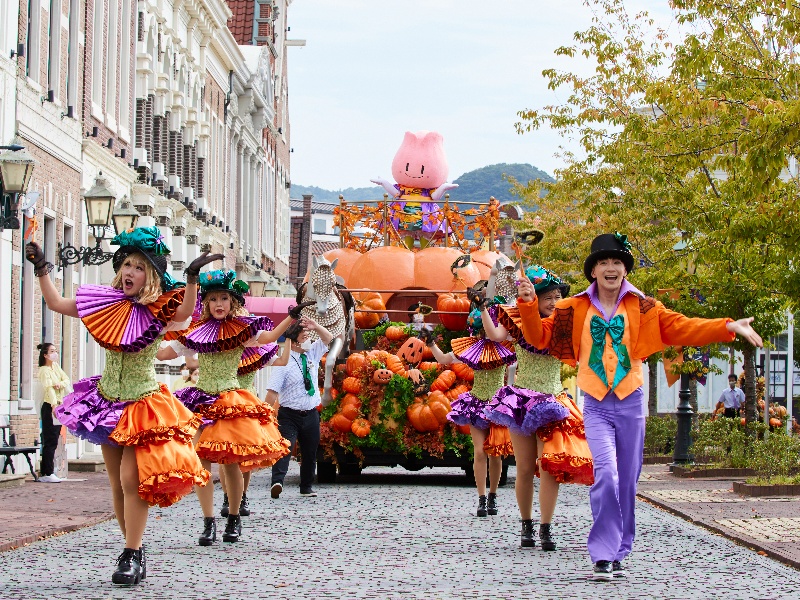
[47, 533]
[755, 546]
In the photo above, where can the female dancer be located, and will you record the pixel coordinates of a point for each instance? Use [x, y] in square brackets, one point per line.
[558, 451]
[145, 433]
[254, 358]
[489, 360]
[239, 431]
[55, 385]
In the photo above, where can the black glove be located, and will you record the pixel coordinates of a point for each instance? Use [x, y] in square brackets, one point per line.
[426, 336]
[35, 255]
[476, 298]
[193, 270]
[295, 311]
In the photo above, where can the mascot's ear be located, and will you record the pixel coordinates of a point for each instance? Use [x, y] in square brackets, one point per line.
[314, 261]
[334, 263]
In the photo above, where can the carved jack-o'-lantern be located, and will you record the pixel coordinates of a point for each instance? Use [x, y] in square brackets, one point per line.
[412, 350]
[382, 376]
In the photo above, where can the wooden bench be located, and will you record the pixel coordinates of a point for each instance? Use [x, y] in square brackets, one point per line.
[9, 450]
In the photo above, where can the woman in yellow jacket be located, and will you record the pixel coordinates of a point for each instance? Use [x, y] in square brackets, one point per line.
[55, 385]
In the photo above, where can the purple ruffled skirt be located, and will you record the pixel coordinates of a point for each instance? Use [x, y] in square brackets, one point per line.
[88, 415]
[523, 411]
[468, 410]
[193, 398]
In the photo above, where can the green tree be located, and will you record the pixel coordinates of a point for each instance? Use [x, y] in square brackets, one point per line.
[686, 147]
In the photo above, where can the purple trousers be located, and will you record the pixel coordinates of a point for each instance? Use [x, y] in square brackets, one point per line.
[615, 433]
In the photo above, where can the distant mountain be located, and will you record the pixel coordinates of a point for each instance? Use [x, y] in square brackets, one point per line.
[474, 186]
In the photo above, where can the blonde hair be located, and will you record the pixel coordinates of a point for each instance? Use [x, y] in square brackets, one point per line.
[151, 290]
[237, 308]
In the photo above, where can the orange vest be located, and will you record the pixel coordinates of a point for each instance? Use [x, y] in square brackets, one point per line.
[588, 380]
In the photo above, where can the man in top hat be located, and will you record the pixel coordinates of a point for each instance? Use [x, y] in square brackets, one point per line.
[607, 331]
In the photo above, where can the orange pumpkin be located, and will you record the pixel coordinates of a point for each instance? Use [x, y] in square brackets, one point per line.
[775, 422]
[743, 421]
[456, 391]
[382, 376]
[451, 303]
[350, 411]
[463, 371]
[354, 362]
[349, 399]
[427, 353]
[360, 428]
[426, 366]
[351, 385]
[368, 301]
[395, 365]
[781, 411]
[412, 350]
[444, 381]
[341, 423]
[428, 414]
[395, 333]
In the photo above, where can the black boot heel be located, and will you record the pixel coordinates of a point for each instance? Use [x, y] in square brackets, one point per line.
[209, 535]
[526, 536]
[482, 512]
[544, 535]
[244, 507]
[224, 510]
[233, 529]
[143, 562]
[491, 504]
[129, 571]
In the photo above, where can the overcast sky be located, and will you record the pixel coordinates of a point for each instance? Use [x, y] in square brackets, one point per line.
[373, 69]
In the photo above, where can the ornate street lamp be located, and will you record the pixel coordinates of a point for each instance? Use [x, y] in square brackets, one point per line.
[272, 290]
[257, 284]
[288, 290]
[125, 216]
[16, 168]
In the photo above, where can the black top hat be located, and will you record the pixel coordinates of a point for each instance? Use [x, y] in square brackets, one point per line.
[608, 245]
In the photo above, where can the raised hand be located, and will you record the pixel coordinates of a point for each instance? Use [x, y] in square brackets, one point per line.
[525, 290]
[476, 297]
[743, 328]
[426, 336]
[296, 311]
[193, 270]
[34, 254]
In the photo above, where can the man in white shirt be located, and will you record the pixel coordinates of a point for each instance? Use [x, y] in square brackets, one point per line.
[732, 398]
[292, 391]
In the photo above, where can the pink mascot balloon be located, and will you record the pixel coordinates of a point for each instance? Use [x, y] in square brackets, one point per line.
[420, 170]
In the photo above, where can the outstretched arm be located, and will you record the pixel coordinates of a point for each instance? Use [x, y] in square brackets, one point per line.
[680, 330]
[282, 358]
[268, 337]
[537, 331]
[54, 300]
[323, 333]
[496, 333]
[441, 357]
[186, 309]
[386, 185]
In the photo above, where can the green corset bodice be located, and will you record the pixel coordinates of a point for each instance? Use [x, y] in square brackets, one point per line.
[248, 382]
[486, 383]
[130, 375]
[538, 372]
[218, 371]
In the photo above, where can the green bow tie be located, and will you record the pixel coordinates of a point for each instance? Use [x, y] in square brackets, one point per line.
[615, 328]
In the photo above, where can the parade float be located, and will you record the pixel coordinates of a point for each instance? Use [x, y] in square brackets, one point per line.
[405, 261]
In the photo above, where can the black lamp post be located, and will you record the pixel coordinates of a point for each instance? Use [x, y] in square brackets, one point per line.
[16, 168]
[684, 412]
[99, 201]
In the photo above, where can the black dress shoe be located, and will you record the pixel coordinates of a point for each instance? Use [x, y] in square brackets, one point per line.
[233, 529]
[491, 503]
[526, 536]
[482, 506]
[129, 571]
[544, 535]
[209, 535]
[244, 507]
[143, 561]
[224, 510]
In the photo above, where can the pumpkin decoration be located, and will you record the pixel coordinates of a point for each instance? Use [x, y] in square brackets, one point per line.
[781, 410]
[341, 423]
[395, 365]
[775, 422]
[382, 376]
[743, 421]
[351, 385]
[451, 303]
[360, 428]
[395, 333]
[456, 391]
[444, 381]
[350, 399]
[354, 362]
[350, 411]
[368, 301]
[429, 413]
[427, 366]
[412, 350]
[462, 371]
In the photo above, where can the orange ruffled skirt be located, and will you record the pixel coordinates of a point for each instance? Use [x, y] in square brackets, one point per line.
[566, 454]
[161, 429]
[243, 430]
[498, 442]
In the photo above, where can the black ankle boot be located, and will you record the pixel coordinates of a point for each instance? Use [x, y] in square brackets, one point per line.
[244, 507]
[129, 571]
[209, 535]
[544, 536]
[224, 510]
[482, 506]
[491, 504]
[143, 562]
[233, 529]
[526, 537]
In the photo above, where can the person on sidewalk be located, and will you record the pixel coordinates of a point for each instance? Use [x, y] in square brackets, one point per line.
[557, 450]
[731, 399]
[55, 385]
[607, 331]
[239, 431]
[292, 391]
[144, 432]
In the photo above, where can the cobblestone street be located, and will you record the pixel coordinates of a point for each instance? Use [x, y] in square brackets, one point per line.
[394, 534]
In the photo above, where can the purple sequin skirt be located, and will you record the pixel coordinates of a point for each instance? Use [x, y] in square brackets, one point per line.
[523, 411]
[88, 415]
[468, 410]
[193, 398]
